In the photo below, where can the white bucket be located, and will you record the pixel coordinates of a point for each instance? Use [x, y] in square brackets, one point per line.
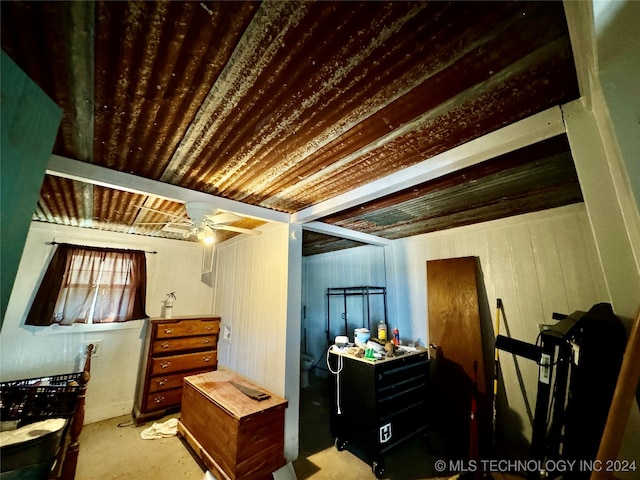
[362, 336]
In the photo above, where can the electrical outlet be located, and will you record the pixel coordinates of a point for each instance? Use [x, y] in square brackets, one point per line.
[226, 333]
[97, 348]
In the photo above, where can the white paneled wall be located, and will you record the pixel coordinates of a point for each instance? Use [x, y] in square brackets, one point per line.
[347, 268]
[251, 297]
[537, 264]
[28, 352]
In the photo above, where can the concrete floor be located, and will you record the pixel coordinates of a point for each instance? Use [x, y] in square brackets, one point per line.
[319, 458]
[113, 449]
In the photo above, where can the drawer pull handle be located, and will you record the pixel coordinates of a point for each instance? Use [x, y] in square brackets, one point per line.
[209, 327]
[162, 382]
[165, 364]
[207, 358]
[159, 399]
[206, 340]
[165, 345]
[168, 330]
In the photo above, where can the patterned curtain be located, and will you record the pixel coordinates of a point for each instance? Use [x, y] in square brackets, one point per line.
[91, 285]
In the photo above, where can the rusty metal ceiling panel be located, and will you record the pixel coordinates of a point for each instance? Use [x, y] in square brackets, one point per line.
[285, 105]
[537, 177]
[314, 243]
[152, 81]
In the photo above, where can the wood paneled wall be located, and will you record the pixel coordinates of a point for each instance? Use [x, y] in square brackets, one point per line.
[537, 264]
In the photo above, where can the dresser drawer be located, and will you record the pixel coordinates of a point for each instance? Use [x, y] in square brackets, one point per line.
[179, 363]
[184, 343]
[164, 399]
[186, 328]
[165, 382]
[173, 380]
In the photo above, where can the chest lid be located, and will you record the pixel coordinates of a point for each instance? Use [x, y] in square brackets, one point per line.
[219, 387]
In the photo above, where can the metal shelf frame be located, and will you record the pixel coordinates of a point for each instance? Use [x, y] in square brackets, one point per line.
[364, 291]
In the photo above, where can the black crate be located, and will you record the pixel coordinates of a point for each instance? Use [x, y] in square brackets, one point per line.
[36, 399]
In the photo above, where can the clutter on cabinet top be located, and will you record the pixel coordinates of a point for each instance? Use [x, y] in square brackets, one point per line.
[375, 349]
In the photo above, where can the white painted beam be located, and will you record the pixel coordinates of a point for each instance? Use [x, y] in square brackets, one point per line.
[544, 125]
[109, 178]
[581, 26]
[526, 132]
[342, 232]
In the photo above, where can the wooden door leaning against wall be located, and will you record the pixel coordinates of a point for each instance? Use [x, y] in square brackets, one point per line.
[455, 335]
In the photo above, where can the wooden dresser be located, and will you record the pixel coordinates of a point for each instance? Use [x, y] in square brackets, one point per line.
[173, 348]
[236, 436]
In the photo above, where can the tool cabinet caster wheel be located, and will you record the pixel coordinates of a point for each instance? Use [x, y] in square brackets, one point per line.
[340, 444]
[378, 468]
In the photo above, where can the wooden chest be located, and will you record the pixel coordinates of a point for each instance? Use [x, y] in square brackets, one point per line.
[237, 437]
[173, 348]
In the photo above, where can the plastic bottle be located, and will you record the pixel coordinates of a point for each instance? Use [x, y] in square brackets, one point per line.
[382, 331]
[396, 336]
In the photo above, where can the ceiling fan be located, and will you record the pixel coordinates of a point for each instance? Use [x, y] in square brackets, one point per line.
[203, 220]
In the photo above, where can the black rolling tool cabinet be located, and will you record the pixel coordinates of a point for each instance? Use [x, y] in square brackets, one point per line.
[375, 405]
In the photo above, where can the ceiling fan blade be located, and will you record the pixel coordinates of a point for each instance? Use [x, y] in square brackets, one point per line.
[178, 228]
[161, 212]
[223, 217]
[236, 229]
[186, 223]
[197, 211]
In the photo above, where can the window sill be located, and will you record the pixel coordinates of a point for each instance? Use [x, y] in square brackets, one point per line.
[82, 328]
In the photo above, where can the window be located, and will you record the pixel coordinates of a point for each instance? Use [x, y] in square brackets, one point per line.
[91, 285]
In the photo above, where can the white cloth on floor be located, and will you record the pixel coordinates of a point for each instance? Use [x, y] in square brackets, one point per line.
[160, 430]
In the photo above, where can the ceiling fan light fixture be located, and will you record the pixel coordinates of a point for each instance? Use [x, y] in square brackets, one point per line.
[205, 234]
[208, 239]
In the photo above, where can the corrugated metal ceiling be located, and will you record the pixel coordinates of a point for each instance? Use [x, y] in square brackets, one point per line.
[285, 105]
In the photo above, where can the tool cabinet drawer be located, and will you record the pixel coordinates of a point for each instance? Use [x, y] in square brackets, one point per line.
[402, 398]
[395, 374]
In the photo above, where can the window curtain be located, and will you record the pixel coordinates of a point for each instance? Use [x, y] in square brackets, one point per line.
[106, 285]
